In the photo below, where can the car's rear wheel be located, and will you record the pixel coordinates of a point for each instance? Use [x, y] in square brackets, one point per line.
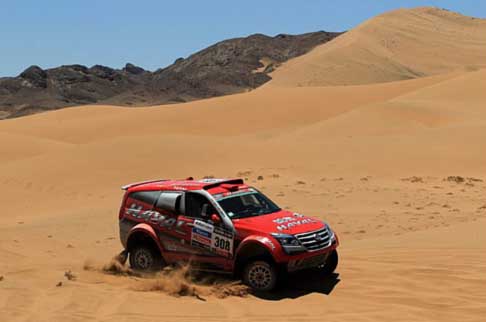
[331, 264]
[145, 259]
[260, 275]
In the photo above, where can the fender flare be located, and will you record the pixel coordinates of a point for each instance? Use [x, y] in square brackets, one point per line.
[147, 230]
[261, 241]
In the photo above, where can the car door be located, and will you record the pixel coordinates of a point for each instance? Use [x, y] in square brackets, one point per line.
[170, 228]
[207, 242]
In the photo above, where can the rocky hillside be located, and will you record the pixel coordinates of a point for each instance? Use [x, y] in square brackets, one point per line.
[230, 66]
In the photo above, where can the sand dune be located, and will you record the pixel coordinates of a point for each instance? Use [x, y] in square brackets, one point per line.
[423, 127]
[397, 45]
[372, 159]
[351, 154]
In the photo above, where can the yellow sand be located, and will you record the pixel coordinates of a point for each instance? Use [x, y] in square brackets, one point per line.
[397, 45]
[412, 247]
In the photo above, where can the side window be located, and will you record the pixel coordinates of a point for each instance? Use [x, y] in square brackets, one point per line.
[169, 202]
[146, 197]
[198, 206]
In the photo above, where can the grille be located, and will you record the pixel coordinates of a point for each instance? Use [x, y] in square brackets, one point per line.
[315, 240]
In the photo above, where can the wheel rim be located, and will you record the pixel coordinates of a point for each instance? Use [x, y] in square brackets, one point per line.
[143, 259]
[260, 276]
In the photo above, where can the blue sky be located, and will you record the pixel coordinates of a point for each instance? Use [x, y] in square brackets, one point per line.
[153, 34]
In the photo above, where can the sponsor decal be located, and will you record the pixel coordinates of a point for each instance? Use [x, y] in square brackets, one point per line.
[202, 233]
[267, 241]
[170, 246]
[241, 191]
[156, 218]
[288, 222]
[210, 180]
[203, 225]
[212, 238]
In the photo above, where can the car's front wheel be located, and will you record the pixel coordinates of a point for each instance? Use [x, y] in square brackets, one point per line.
[145, 259]
[260, 275]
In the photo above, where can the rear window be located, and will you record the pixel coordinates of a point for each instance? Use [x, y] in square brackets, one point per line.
[169, 201]
[148, 197]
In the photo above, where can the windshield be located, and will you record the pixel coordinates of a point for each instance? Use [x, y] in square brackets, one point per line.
[247, 204]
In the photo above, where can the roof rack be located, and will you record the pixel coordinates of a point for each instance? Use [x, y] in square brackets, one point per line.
[125, 187]
[225, 181]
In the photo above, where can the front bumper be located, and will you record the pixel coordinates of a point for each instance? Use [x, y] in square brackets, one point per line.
[309, 259]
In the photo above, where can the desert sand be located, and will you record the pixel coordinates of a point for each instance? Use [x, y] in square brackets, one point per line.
[398, 169]
[396, 45]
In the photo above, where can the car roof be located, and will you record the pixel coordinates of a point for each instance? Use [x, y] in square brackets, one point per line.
[212, 185]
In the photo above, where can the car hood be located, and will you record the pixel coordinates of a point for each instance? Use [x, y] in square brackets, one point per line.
[282, 221]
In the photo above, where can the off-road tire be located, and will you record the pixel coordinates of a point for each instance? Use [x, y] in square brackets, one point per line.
[260, 275]
[144, 258]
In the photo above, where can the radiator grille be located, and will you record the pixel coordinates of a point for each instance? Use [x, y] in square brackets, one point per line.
[315, 240]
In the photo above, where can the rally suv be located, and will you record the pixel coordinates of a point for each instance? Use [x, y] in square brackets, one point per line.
[221, 225]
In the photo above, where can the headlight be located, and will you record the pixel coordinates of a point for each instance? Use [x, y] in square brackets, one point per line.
[290, 244]
[329, 231]
[285, 239]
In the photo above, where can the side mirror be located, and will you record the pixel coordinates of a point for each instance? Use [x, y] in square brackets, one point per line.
[215, 219]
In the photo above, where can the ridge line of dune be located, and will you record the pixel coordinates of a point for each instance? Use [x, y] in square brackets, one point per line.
[401, 44]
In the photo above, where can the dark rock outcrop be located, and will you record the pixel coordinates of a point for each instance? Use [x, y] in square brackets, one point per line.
[230, 66]
[35, 76]
[132, 69]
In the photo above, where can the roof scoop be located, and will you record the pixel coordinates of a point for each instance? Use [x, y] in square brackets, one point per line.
[230, 187]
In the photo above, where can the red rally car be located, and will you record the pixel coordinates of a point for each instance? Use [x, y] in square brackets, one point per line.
[221, 225]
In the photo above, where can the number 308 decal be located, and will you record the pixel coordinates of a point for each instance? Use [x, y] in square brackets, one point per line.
[222, 243]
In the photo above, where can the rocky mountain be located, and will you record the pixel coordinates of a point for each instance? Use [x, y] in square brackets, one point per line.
[230, 66]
